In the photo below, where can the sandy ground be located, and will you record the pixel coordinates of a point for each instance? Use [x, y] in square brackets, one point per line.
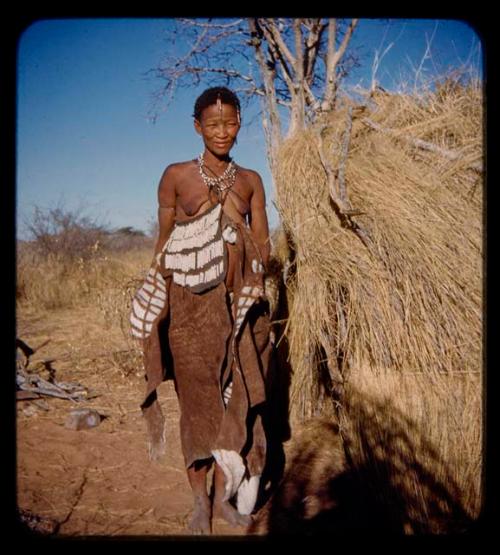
[100, 481]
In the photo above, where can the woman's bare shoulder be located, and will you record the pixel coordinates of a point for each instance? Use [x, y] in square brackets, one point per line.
[251, 176]
[178, 168]
[247, 172]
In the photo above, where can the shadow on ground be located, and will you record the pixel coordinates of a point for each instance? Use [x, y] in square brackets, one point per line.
[385, 478]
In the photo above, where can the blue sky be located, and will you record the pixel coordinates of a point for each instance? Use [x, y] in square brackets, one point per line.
[83, 133]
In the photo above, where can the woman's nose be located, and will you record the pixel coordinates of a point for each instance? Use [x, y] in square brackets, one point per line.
[221, 129]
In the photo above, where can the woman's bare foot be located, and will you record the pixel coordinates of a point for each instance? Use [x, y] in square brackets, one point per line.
[223, 509]
[200, 521]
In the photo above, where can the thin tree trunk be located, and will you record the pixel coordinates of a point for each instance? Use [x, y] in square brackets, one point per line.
[297, 120]
[333, 58]
[272, 125]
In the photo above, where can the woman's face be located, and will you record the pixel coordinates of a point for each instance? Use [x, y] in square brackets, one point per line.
[218, 126]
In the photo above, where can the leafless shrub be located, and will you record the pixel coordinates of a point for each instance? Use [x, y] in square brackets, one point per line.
[60, 231]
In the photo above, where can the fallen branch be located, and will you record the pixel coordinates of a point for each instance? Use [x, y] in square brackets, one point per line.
[340, 197]
[32, 384]
[26, 395]
[344, 154]
[51, 393]
[423, 145]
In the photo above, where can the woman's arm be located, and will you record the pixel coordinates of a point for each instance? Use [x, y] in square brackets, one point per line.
[166, 207]
[258, 218]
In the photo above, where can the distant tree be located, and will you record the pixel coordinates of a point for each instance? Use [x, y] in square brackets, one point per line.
[294, 65]
[130, 231]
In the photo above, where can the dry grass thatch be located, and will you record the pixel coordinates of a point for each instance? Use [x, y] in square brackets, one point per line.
[388, 302]
[414, 300]
[417, 441]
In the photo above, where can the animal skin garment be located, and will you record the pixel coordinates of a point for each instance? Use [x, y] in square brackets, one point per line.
[215, 344]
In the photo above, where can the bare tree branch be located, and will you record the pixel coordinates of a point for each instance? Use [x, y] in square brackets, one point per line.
[376, 63]
[298, 110]
[330, 67]
[287, 54]
[278, 55]
[268, 72]
[312, 46]
[345, 41]
[339, 195]
[223, 71]
[277, 39]
[299, 60]
[333, 58]
[426, 56]
[345, 152]
[313, 42]
[196, 23]
[310, 98]
[341, 202]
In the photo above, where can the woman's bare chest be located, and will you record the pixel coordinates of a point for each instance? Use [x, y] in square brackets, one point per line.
[194, 197]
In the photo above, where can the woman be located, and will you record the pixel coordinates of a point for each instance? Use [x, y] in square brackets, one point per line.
[204, 304]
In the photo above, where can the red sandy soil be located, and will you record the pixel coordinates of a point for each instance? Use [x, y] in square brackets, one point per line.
[100, 481]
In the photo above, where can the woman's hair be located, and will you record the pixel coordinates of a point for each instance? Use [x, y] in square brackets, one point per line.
[210, 96]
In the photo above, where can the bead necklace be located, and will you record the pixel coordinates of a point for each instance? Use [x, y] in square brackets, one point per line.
[221, 183]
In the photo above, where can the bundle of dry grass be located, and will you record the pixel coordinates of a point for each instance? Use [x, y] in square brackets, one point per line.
[413, 299]
[385, 295]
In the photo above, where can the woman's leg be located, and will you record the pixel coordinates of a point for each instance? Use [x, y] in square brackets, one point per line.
[202, 513]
